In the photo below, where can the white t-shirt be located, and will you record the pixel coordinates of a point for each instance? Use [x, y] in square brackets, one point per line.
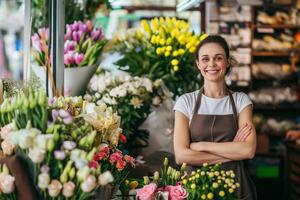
[211, 106]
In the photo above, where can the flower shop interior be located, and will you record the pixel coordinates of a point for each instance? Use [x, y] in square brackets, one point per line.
[108, 133]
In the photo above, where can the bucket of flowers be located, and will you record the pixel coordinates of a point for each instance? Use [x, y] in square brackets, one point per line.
[162, 49]
[82, 48]
[69, 146]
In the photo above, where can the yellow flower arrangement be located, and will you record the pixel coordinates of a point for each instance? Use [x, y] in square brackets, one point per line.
[163, 48]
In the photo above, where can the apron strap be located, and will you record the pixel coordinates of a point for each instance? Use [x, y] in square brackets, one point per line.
[235, 115]
[198, 101]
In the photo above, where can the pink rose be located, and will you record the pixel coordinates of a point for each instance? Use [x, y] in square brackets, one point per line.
[5, 130]
[129, 160]
[147, 192]
[120, 165]
[176, 192]
[114, 157]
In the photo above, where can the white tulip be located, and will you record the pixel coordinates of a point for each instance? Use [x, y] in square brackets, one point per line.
[105, 178]
[43, 180]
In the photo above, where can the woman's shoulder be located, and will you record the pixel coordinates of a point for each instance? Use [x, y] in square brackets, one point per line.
[237, 95]
[190, 96]
[241, 100]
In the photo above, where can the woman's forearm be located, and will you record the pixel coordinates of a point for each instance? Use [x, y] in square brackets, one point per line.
[229, 150]
[196, 158]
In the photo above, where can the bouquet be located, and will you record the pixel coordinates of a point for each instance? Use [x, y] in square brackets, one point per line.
[207, 182]
[61, 140]
[82, 47]
[132, 97]
[162, 49]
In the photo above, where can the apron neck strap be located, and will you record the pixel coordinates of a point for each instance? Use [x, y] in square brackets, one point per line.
[198, 103]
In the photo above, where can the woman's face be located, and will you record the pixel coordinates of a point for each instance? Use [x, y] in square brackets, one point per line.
[212, 62]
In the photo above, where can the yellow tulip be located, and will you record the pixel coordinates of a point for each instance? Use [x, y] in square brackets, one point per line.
[161, 20]
[203, 196]
[193, 186]
[133, 184]
[188, 45]
[210, 195]
[230, 190]
[162, 42]
[157, 39]
[203, 36]
[169, 48]
[153, 39]
[175, 53]
[176, 68]
[169, 41]
[175, 62]
[221, 193]
[158, 51]
[184, 181]
[192, 49]
[145, 25]
[167, 53]
[181, 51]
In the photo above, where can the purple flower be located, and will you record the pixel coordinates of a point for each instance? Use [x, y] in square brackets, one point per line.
[45, 169]
[79, 58]
[44, 33]
[62, 113]
[96, 34]
[69, 145]
[76, 35]
[75, 26]
[69, 46]
[69, 32]
[55, 114]
[59, 155]
[69, 58]
[36, 42]
[83, 28]
[68, 120]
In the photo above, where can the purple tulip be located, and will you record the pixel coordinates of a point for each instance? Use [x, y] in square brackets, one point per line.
[96, 34]
[55, 114]
[83, 28]
[69, 58]
[69, 32]
[63, 113]
[78, 58]
[76, 35]
[44, 33]
[36, 42]
[75, 26]
[69, 46]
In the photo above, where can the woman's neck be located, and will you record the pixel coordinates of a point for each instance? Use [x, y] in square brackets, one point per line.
[215, 90]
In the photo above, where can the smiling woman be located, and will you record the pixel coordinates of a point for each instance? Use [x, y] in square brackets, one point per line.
[214, 124]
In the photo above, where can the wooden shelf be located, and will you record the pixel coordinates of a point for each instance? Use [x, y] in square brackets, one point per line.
[278, 26]
[271, 53]
[154, 8]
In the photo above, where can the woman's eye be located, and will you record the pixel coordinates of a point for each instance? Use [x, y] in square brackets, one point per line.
[205, 59]
[219, 58]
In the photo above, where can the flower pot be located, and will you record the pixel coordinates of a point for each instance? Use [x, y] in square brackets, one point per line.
[75, 79]
[107, 192]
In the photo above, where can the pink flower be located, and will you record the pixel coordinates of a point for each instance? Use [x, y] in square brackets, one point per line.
[79, 58]
[69, 32]
[5, 130]
[120, 165]
[76, 35]
[176, 192]
[36, 42]
[93, 164]
[83, 27]
[44, 33]
[89, 25]
[104, 153]
[129, 160]
[97, 34]
[7, 147]
[69, 58]
[147, 192]
[69, 46]
[114, 157]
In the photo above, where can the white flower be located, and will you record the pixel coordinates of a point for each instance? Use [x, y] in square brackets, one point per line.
[108, 100]
[136, 102]
[148, 84]
[7, 183]
[83, 173]
[59, 155]
[105, 178]
[80, 163]
[54, 188]
[69, 145]
[37, 155]
[89, 183]
[41, 141]
[7, 147]
[118, 92]
[68, 189]
[5, 130]
[157, 83]
[156, 100]
[43, 180]
[75, 153]
[89, 108]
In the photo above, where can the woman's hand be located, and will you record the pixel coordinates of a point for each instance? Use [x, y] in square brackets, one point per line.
[243, 133]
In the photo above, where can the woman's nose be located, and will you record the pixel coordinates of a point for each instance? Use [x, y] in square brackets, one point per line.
[211, 62]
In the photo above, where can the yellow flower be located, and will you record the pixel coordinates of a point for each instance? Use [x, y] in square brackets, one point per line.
[192, 49]
[221, 193]
[174, 33]
[161, 32]
[203, 196]
[210, 195]
[145, 26]
[133, 184]
[175, 62]
[126, 182]
[169, 48]
[175, 53]
[215, 185]
[153, 39]
[181, 51]
[203, 36]
[161, 20]
[176, 68]
[136, 102]
[188, 45]
[181, 39]
[167, 53]
[169, 41]
[158, 51]
[197, 175]
[217, 173]
[230, 190]
[157, 39]
[162, 42]
[237, 185]
[232, 175]
[184, 181]
[193, 186]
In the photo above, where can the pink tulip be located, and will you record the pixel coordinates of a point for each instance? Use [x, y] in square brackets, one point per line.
[76, 36]
[78, 58]
[44, 33]
[69, 46]
[96, 34]
[69, 58]
[69, 32]
[36, 42]
[83, 27]
[75, 26]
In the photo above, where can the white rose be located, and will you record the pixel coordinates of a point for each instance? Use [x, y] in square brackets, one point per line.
[105, 178]
[7, 147]
[54, 188]
[7, 183]
[89, 183]
[37, 155]
[83, 173]
[43, 180]
[68, 189]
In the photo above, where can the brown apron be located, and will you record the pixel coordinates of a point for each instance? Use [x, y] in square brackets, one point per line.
[222, 128]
